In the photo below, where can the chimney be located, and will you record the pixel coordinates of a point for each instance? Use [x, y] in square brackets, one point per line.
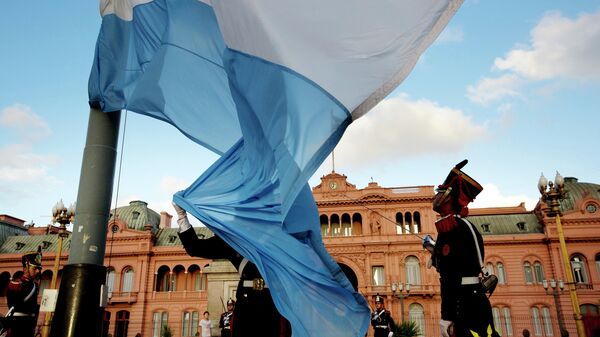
[165, 220]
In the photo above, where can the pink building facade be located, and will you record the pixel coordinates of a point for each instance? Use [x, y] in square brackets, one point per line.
[375, 234]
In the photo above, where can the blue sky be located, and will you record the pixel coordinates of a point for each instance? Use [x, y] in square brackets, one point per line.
[511, 85]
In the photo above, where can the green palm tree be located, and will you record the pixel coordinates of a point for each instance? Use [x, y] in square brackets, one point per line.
[166, 331]
[407, 329]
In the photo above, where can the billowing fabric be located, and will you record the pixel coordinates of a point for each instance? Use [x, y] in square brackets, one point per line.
[271, 86]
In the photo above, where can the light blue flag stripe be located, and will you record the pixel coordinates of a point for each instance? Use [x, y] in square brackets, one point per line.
[271, 125]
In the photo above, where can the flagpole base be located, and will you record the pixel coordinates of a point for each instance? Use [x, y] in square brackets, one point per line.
[78, 311]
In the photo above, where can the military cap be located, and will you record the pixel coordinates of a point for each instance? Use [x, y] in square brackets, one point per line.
[458, 188]
[230, 302]
[33, 258]
[378, 299]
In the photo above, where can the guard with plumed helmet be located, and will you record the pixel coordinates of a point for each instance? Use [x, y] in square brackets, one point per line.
[458, 257]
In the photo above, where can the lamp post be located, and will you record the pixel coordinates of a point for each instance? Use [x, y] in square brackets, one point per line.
[554, 288]
[63, 216]
[401, 292]
[552, 193]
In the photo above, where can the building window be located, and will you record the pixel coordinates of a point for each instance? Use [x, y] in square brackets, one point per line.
[159, 321]
[528, 273]
[413, 270]
[407, 222]
[189, 324]
[200, 281]
[399, 223]
[507, 321]
[521, 226]
[122, 323]
[417, 223]
[535, 321]
[501, 273]
[578, 268]
[346, 225]
[110, 281]
[163, 277]
[378, 276]
[416, 315]
[485, 227]
[324, 225]
[335, 225]
[539, 272]
[135, 215]
[489, 268]
[598, 264]
[497, 322]
[127, 284]
[547, 321]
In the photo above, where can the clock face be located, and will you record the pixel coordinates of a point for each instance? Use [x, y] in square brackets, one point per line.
[591, 208]
[333, 185]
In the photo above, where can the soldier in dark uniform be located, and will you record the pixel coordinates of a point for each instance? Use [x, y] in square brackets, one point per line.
[458, 255]
[381, 320]
[226, 318]
[255, 313]
[21, 297]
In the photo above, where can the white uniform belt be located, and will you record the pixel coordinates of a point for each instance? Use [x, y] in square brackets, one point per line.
[256, 284]
[469, 280]
[22, 314]
[381, 326]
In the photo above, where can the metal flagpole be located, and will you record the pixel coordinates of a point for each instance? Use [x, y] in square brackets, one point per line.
[79, 308]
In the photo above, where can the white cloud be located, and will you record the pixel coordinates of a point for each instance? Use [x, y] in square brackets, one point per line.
[400, 127]
[170, 184]
[492, 89]
[491, 196]
[560, 47]
[29, 125]
[20, 165]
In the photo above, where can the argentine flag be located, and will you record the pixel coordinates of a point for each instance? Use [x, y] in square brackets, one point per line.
[270, 86]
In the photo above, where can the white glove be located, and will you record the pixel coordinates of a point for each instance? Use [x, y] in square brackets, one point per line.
[391, 334]
[182, 219]
[445, 327]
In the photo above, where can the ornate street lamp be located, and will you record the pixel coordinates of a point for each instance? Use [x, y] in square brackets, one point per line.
[554, 288]
[552, 193]
[401, 292]
[63, 216]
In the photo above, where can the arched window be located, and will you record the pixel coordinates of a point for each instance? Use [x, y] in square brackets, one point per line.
[189, 323]
[105, 323]
[579, 269]
[489, 268]
[407, 222]
[501, 273]
[335, 225]
[538, 269]
[417, 223]
[547, 320]
[507, 321]
[497, 322]
[346, 225]
[413, 271]
[127, 283]
[416, 315]
[324, 225]
[528, 273]
[399, 223]
[536, 322]
[163, 279]
[110, 281]
[159, 320]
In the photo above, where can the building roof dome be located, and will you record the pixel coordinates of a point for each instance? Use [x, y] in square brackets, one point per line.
[578, 191]
[137, 215]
